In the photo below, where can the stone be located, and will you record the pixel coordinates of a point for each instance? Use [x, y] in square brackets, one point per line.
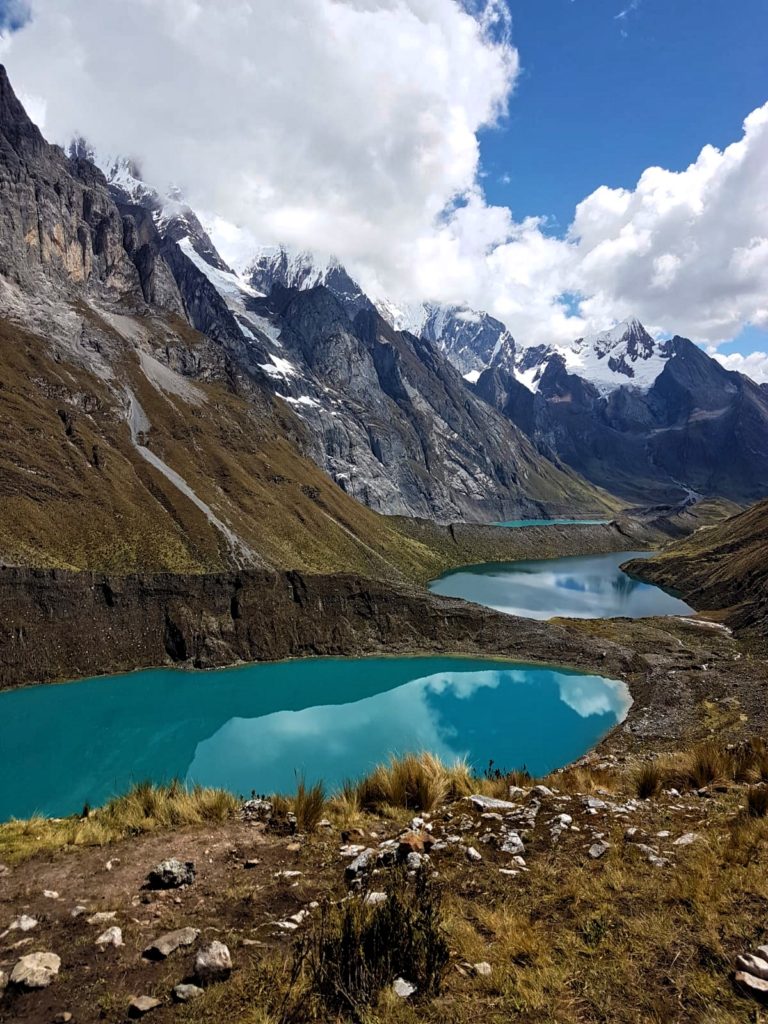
[50, 894]
[372, 899]
[23, 923]
[402, 988]
[186, 993]
[171, 874]
[140, 1005]
[36, 970]
[758, 986]
[542, 791]
[687, 839]
[112, 863]
[513, 844]
[598, 850]
[414, 861]
[351, 850]
[490, 803]
[78, 911]
[63, 1018]
[363, 862]
[102, 917]
[517, 791]
[594, 804]
[111, 937]
[293, 848]
[252, 862]
[472, 854]
[170, 942]
[256, 810]
[753, 965]
[483, 969]
[213, 963]
[4, 870]
[414, 842]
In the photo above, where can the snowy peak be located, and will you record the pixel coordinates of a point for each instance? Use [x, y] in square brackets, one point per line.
[623, 355]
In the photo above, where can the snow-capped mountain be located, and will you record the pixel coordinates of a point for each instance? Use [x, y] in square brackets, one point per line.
[623, 355]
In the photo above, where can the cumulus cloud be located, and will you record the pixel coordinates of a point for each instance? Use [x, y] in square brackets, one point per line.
[351, 126]
[754, 365]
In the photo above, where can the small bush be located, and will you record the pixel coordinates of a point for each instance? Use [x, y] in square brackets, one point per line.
[707, 763]
[649, 779]
[355, 950]
[415, 782]
[308, 806]
[757, 801]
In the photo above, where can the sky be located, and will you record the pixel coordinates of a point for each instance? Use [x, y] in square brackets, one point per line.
[563, 164]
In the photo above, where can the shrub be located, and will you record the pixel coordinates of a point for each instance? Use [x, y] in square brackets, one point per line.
[757, 801]
[707, 763]
[415, 782]
[649, 779]
[308, 806]
[355, 950]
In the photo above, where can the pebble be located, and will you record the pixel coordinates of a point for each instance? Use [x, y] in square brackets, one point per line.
[472, 854]
[374, 898]
[362, 863]
[78, 911]
[252, 862]
[483, 968]
[403, 988]
[111, 937]
[36, 970]
[62, 1018]
[50, 894]
[140, 1005]
[687, 839]
[597, 850]
[186, 993]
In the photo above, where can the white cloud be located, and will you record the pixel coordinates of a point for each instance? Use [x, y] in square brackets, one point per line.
[351, 126]
[754, 365]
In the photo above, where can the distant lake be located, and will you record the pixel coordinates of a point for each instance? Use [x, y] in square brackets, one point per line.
[582, 587]
[512, 523]
[256, 727]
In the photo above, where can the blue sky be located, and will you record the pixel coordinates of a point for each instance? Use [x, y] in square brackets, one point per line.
[601, 97]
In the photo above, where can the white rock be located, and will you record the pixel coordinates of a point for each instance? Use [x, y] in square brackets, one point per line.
[757, 985]
[102, 917]
[140, 1005]
[483, 968]
[403, 988]
[472, 854]
[374, 898]
[50, 894]
[489, 803]
[111, 937]
[542, 791]
[513, 844]
[23, 923]
[36, 970]
[185, 993]
[597, 850]
[213, 963]
[753, 965]
[687, 839]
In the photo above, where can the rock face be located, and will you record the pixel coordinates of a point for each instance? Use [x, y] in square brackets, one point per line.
[652, 421]
[36, 970]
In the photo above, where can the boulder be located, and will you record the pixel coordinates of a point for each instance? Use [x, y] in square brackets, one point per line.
[140, 1005]
[170, 942]
[186, 993]
[171, 874]
[36, 970]
[213, 963]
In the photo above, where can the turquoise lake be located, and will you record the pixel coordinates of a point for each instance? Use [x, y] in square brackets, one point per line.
[582, 587]
[256, 727]
[514, 523]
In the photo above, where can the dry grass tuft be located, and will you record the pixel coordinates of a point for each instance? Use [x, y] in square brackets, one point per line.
[414, 782]
[308, 806]
[757, 801]
[649, 779]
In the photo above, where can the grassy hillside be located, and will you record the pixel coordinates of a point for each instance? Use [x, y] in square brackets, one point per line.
[722, 569]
